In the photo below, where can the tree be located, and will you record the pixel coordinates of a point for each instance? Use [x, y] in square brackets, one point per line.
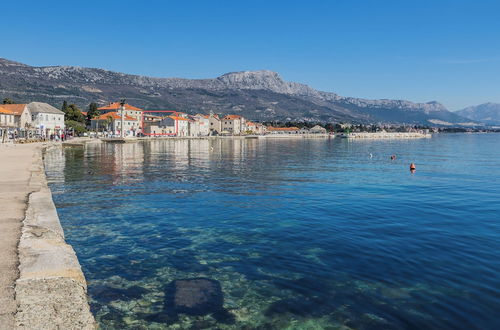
[73, 113]
[92, 112]
[64, 107]
[8, 101]
[77, 126]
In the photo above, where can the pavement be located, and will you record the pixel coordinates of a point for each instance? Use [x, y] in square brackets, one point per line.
[15, 172]
[42, 285]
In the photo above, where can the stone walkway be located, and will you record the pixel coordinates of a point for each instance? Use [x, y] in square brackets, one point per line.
[15, 165]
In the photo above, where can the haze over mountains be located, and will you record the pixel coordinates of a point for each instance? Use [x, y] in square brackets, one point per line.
[488, 113]
[258, 95]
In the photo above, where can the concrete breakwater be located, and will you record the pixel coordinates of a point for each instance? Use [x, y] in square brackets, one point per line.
[386, 135]
[50, 290]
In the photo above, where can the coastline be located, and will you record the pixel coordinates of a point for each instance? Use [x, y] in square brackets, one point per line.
[50, 291]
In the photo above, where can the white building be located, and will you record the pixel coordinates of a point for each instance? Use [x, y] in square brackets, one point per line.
[22, 116]
[204, 124]
[46, 119]
[7, 118]
[317, 130]
[111, 122]
[233, 124]
[215, 124]
[134, 115]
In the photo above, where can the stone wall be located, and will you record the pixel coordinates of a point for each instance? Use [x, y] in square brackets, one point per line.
[51, 291]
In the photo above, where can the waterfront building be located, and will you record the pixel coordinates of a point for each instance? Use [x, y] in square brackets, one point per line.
[46, 119]
[181, 124]
[22, 116]
[134, 125]
[283, 130]
[7, 118]
[173, 125]
[7, 123]
[233, 124]
[204, 124]
[193, 127]
[317, 130]
[111, 122]
[215, 124]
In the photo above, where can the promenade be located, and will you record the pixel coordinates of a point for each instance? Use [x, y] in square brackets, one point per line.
[41, 282]
[15, 164]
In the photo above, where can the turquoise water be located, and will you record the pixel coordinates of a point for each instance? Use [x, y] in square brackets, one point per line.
[300, 233]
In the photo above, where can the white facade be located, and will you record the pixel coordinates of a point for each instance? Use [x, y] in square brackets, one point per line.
[46, 119]
[7, 119]
[233, 124]
[48, 123]
[203, 124]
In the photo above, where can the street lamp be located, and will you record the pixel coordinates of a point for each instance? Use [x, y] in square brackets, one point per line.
[122, 124]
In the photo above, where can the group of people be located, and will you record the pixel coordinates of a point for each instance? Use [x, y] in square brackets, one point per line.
[58, 137]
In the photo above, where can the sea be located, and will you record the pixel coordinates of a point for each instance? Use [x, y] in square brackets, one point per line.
[325, 233]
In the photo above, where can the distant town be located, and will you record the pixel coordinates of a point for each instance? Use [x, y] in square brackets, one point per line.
[38, 120]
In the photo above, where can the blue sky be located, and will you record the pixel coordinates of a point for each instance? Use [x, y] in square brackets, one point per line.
[447, 51]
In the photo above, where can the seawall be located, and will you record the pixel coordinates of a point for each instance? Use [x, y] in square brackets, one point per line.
[51, 291]
[386, 135]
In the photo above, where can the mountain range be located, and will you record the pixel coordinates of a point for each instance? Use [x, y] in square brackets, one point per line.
[257, 95]
[488, 113]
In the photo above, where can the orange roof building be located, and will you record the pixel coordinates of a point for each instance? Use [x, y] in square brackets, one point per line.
[231, 117]
[7, 118]
[114, 116]
[117, 105]
[4, 111]
[17, 109]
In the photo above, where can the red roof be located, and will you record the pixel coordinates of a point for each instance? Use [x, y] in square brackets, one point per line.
[177, 118]
[17, 109]
[5, 111]
[113, 115]
[117, 105]
[232, 117]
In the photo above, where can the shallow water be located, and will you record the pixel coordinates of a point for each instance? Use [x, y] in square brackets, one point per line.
[300, 234]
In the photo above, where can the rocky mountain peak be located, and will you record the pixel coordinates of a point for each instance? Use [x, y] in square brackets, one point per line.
[8, 63]
[258, 95]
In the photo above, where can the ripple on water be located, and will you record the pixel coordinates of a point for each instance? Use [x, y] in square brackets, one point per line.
[297, 234]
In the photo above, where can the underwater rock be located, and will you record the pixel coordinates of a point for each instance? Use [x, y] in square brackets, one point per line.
[196, 296]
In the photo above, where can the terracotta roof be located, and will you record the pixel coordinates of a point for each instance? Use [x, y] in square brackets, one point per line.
[113, 115]
[84, 113]
[116, 106]
[177, 118]
[285, 129]
[231, 117]
[249, 123]
[17, 109]
[5, 111]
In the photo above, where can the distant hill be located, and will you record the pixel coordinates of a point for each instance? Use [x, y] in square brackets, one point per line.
[258, 95]
[488, 113]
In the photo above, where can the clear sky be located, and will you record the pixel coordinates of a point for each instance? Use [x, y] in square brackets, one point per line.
[446, 50]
